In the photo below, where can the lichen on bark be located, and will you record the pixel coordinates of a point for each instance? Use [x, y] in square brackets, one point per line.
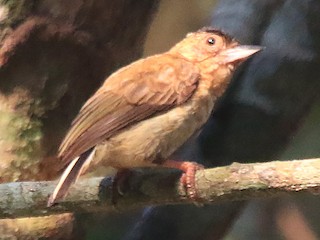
[17, 11]
[20, 140]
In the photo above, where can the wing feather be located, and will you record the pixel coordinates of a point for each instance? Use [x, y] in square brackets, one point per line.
[137, 92]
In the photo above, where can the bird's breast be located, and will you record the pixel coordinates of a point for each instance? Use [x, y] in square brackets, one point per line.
[153, 140]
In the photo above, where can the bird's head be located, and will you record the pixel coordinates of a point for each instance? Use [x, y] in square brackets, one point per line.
[214, 45]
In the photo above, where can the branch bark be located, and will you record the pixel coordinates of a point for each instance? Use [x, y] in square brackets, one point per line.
[161, 187]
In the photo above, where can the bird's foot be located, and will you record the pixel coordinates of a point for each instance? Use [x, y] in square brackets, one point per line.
[188, 177]
[119, 182]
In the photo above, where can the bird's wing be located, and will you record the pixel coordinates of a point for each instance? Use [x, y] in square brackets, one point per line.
[137, 92]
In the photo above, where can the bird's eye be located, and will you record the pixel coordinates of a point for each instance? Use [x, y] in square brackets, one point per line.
[211, 41]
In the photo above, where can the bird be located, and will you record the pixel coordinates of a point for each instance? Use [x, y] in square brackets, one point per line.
[145, 111]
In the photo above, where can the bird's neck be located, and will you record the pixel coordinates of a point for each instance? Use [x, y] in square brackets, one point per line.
[215, 78]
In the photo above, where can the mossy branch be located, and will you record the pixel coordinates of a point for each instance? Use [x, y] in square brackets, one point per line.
[161, 186]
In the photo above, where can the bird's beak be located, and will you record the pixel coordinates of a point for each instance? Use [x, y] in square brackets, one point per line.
[240, 53]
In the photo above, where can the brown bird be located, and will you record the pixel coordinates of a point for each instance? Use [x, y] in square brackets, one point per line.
[148, 109]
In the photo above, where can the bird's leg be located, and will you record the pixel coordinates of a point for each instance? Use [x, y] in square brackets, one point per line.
[188, 177]
[118, 181]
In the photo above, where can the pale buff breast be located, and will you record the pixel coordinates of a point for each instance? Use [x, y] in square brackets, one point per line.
[150, 142]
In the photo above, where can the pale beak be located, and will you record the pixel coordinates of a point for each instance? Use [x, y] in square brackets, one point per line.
[240, 53]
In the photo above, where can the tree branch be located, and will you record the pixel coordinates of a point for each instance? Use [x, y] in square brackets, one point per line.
[162, 186]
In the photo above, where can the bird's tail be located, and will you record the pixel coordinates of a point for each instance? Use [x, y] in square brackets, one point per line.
[70, 175]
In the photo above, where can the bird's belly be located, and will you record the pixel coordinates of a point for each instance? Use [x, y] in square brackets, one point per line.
[152, 141]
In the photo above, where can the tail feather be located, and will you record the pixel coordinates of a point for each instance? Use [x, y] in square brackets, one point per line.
[69, 176]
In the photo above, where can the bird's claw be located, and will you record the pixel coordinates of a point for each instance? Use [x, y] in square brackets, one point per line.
[118, 182]
[188, 179]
